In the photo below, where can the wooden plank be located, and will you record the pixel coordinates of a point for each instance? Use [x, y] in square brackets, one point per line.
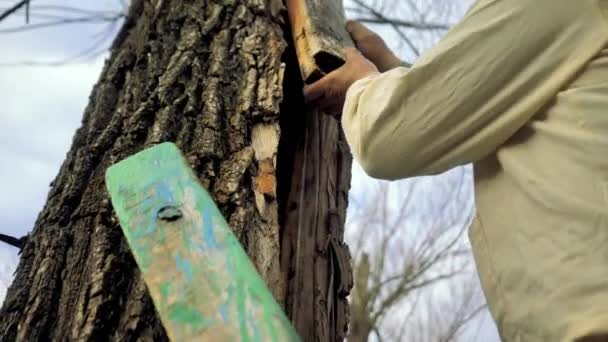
[319, 36]
[201, 280]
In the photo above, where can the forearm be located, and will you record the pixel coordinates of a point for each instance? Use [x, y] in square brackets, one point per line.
[468, 95]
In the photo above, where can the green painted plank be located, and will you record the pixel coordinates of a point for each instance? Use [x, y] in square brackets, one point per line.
[201, 280]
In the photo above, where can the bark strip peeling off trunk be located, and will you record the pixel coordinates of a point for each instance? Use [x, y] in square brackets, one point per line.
[316, 208]
[319, 36]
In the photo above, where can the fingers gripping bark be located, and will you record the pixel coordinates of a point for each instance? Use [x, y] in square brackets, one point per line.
[328, 94]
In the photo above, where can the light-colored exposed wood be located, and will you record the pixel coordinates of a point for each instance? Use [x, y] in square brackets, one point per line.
[319, 35]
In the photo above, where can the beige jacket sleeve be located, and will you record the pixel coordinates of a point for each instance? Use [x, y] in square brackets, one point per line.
[463, 99]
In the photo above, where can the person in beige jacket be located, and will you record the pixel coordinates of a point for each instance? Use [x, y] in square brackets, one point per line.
[519, 88]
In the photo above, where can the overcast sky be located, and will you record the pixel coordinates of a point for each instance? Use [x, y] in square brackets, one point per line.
[40, 108]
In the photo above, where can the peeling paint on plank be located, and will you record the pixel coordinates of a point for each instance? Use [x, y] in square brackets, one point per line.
[202, 283]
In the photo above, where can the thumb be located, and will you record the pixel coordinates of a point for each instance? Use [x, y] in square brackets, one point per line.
[315, 91]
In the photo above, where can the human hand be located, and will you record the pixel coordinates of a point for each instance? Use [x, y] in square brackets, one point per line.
[372, 46]
[328, 93]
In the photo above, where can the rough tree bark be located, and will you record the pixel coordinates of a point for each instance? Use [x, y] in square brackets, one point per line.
[219, 78]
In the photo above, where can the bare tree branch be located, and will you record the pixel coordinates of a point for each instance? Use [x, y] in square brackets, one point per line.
[13, 241]
[381, 16]
[15, 8]
[378, 335]
[67, 21]
[402, 23]
[453, 331]
[69, 9]
[59, 15]
[405, 288]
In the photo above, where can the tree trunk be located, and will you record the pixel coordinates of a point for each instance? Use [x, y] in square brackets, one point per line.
[221, 80]
[361, 324]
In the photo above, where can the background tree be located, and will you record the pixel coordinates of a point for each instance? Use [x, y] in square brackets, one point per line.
[414, 278]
